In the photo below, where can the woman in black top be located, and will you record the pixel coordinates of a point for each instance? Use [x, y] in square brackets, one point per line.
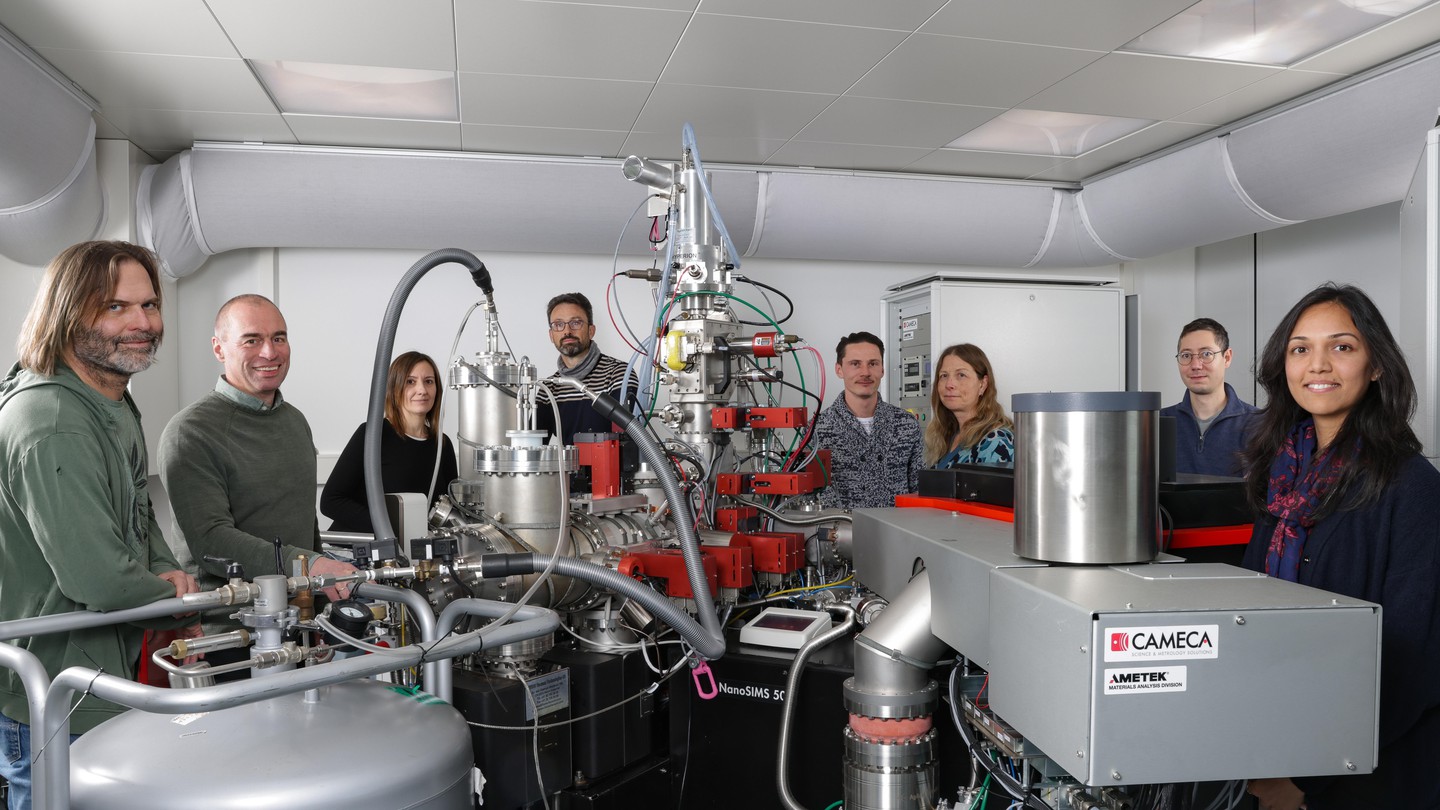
[1347, 504]
[407, 447]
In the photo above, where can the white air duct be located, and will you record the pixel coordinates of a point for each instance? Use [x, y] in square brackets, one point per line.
[50, 193]
[1340, 152]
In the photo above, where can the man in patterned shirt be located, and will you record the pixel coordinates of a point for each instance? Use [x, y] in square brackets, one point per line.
[572, 330]
[876, 449]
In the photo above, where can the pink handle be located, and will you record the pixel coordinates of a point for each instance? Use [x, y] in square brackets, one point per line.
[702, 670]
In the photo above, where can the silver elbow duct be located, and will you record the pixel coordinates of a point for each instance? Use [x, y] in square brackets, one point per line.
[890, 751]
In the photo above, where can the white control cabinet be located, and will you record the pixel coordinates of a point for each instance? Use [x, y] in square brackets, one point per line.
[1038, 336]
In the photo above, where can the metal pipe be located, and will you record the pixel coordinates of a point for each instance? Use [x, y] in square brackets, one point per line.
[436, 673]
[792, 684]
[36, 683]
[811, 520]
[86, 619]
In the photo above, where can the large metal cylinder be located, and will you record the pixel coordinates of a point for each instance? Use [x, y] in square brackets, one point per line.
[486, 412]
[1087, 476]
[302, 750]
[885, 775]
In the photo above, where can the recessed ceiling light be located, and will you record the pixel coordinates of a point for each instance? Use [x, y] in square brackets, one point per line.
[1266, 32]
[1041, 132]
[358, 90]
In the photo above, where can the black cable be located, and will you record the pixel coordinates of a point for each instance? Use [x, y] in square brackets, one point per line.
[786, 383]
[765, 286]
[1167, 533]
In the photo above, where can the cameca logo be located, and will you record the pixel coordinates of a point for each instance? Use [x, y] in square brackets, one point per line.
[1175, 640]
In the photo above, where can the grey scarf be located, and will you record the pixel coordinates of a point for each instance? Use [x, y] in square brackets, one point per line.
[581, 371]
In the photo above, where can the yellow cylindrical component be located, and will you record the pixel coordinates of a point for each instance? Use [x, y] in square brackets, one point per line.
[673, 359]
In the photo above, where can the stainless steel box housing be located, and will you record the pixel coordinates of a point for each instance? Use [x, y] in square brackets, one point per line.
[1150, 673]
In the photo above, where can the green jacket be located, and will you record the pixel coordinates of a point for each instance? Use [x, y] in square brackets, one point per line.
[77, 530]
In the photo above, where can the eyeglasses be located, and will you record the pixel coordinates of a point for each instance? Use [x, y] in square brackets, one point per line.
[575, 324]
[1207, 357]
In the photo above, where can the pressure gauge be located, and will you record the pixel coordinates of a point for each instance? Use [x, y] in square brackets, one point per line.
[350, 616]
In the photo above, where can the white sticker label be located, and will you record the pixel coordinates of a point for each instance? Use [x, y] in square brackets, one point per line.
[1162, 643]
[909, 324]
[1144, 681]
[187, 719]
[907, 335]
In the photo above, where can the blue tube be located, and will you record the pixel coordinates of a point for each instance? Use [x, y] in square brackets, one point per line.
[688, 139]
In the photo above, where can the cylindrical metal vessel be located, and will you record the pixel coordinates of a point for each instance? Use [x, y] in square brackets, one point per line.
[297, 750]
[486, 412]
[1087, 476]
[889, 775]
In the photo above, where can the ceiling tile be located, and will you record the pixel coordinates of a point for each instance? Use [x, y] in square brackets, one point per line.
[845, 156]
[673, 5]
[890, 122]
[1145, 86]
[953, 70]
[1256, 97]
[1124, 150]
[1095, 24]
[333, 130]
[182, 27]
[546, 39]
[178, 129]
[728, 112]
[776, 55]
[982, 164]
[541, 140]
[665, 146]
[899, 15]
[1379, 45]
[155, 82]
[413, 34]
[486, 98]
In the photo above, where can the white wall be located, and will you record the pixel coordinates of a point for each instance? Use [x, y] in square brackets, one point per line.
[1249, 283]
[334, 301]
[1166, 288]
[1225, 291]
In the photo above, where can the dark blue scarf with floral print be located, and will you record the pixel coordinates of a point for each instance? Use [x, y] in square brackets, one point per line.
[1299, 480]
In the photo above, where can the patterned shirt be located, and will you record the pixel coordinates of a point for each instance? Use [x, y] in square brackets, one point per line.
[869, 470]
[996, 448]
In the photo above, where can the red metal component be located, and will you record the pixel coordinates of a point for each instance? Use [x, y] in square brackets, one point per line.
[733, 565]
[737, 518]
[774, 552]
[727, 418]
[603, 459]
[733, 483]
[669, 564]
[776, 418]
[763, 344]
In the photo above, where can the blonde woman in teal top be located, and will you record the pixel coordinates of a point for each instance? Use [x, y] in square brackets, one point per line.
[967, 425]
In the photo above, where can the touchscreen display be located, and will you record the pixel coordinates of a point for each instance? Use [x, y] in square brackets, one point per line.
[779, 621]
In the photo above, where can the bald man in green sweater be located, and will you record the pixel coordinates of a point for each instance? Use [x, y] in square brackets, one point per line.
[239, 463]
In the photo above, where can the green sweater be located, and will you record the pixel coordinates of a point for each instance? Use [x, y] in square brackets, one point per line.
[77, 531]
[239, 474]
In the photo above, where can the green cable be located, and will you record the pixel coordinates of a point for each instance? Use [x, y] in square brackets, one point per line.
[983, 796]
[835, 805]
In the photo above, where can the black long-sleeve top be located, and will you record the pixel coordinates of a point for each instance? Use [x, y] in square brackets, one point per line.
[406, 465]
[1387, 552]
